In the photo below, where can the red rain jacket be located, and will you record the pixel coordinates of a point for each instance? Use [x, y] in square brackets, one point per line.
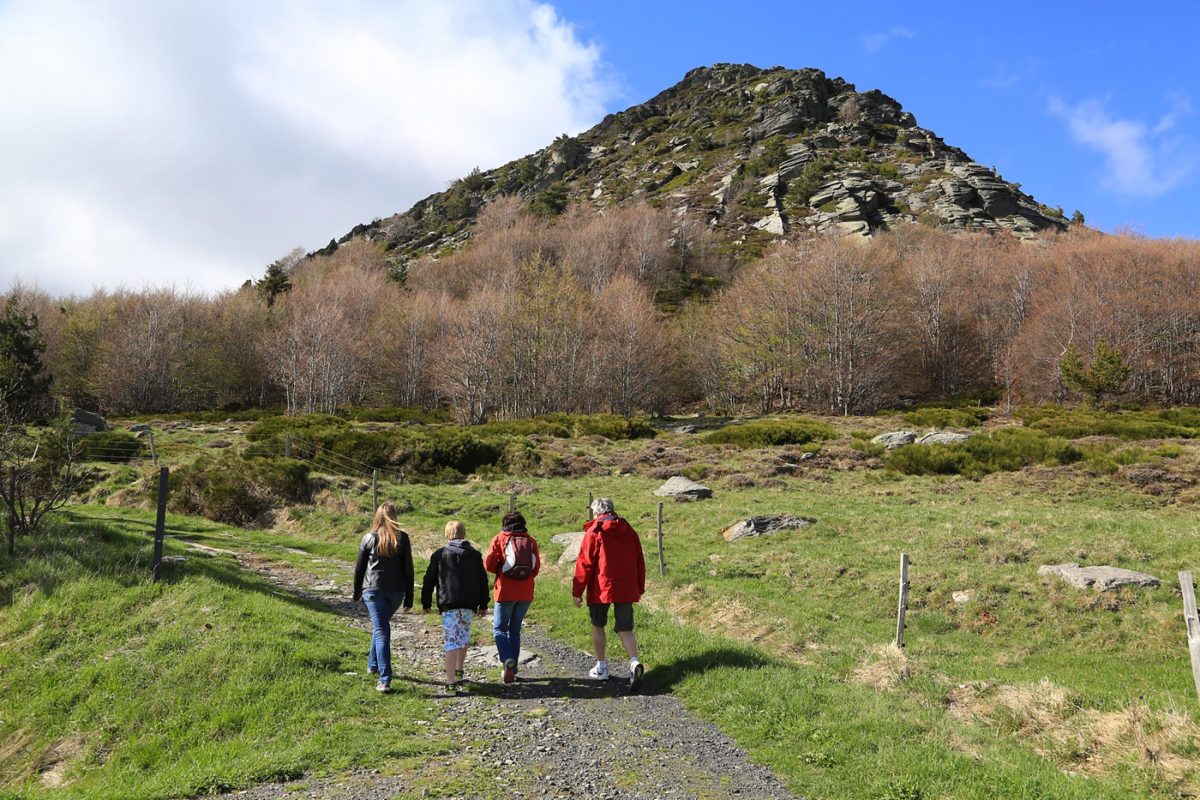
[610, 565]
[510, 588]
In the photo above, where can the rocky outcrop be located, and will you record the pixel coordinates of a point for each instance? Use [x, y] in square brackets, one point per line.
[85, 422]
[765, 525]
[680, 488]
[942, 437]
[1102, 579]
[756, 152]
[894, 439]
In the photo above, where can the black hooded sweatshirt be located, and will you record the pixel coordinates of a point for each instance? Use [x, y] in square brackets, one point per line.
[456, 571]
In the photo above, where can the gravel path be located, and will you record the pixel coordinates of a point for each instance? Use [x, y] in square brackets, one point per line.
[553, 734]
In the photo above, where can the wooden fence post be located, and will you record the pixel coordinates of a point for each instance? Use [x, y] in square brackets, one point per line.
[1193, 624]
[287, 445]
[903, 600]
[12, 510]
[662, 565]
[589, 509]
[374, 490]
[512, 501]
[160, 522]
[153, 452]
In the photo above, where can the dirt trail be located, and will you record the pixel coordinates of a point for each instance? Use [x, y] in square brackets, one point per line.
[553, 734]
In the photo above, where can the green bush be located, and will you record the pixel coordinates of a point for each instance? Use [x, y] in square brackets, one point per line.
[946, 417]
[309, 427]
[396, 414]
[442, 455]
[1074, 423]
[236, 490]
[114, 446]
[611, 426]
[1005, 450]
[769, 433]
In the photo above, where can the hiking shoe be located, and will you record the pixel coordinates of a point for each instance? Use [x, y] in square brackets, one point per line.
[636, 671]
[382, 687]
[510, 671]
[449, 690]
[598, 673]
[459, 678]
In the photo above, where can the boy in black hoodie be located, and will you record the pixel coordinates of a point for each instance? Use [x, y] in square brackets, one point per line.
[456, 570]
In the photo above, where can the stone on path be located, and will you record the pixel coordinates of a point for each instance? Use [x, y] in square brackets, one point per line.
[768, 524]
[487, 656]
[1099, 578]
[570, 543]
[681, 488]
[895, 439]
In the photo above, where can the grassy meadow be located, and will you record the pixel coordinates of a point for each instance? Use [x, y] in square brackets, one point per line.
[1026, 689]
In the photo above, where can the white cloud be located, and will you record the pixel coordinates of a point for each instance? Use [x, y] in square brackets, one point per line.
[874, 42]
[150, 142]
[1140, 161]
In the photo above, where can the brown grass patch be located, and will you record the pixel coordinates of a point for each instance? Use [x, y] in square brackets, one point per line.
[884, 668]
[56, 759]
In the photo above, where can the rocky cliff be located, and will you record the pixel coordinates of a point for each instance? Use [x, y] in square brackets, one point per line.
[757, 153]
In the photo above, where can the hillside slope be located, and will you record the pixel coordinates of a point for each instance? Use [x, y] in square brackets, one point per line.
[756, 154]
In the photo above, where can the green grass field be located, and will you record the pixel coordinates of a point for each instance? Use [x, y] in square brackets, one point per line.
[1029, 689]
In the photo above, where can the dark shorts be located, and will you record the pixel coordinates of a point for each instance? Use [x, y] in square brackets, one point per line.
[622, 614]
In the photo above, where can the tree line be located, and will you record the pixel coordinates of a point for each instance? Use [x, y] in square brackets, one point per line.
[639, 310]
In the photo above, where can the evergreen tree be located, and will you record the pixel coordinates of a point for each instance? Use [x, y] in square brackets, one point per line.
[1105, 376]
[274, 283]
[1077, 217]
[23, 387]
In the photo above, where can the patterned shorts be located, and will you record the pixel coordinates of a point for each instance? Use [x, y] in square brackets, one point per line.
[456, 628]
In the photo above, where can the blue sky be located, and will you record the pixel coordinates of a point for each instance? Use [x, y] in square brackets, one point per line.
[1091, 106]
[145, 142]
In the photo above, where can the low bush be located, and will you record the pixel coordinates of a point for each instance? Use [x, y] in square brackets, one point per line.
[446, 454]
[946, 417]
[769, 433]
[236, 490]
[113, 446]
[1006, 450]
[396, 414]
[611, 426]
[1074, 423]
[309, 427]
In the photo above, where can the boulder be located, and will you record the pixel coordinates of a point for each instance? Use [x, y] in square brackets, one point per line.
[681, 488]
[570, 542]
[895, 439]
[88, 419]
[139, 427]
[942, 437]
[1099, 578]
[765, 525]
[685, 429]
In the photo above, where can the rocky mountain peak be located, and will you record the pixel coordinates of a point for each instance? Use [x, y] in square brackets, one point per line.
[757, 153]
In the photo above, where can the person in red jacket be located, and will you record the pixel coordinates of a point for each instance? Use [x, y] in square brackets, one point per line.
[514, 559]
[612, 570]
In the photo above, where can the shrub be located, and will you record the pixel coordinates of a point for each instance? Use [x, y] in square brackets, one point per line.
[768, 433]
[114, 446]
[611, 426]
[1073, 423]
[443, 455]
[1006, 450]
[946, 417]
[306, 426]
[236, 490]
[397, 414]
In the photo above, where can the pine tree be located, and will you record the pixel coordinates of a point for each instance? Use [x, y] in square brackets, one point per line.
[23, 387]
[1105, 376]
[274, 283]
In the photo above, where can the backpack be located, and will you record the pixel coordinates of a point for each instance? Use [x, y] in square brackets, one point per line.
[519, 559]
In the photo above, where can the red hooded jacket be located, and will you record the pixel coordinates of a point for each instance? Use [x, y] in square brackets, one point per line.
[610, 565]
[510, 588]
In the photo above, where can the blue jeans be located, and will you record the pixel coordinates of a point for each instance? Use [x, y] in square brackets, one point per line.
[381, 606]
[507, 617]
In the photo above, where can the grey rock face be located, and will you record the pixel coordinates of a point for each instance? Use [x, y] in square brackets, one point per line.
[943, 437]
[765, 525]
[570, 542]
[681, 488]
[1101, 579]
[88, 419]
[894, 439]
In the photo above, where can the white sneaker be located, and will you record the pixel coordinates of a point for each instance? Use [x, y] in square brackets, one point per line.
[636, 670]
[598, 673]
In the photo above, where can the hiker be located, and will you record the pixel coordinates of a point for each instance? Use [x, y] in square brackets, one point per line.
[612, 569]
[456, 571]
[383, 580]
[513, 558]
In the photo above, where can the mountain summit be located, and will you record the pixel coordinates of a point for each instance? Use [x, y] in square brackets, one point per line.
[757, 153]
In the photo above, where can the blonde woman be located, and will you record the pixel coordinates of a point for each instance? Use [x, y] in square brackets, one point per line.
[383, 580]
[456, 573]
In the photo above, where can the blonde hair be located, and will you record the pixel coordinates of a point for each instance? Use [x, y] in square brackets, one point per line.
[387, 529]
[455, 529]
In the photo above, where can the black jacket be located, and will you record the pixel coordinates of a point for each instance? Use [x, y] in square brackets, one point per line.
[387, 573]
[456, 570]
